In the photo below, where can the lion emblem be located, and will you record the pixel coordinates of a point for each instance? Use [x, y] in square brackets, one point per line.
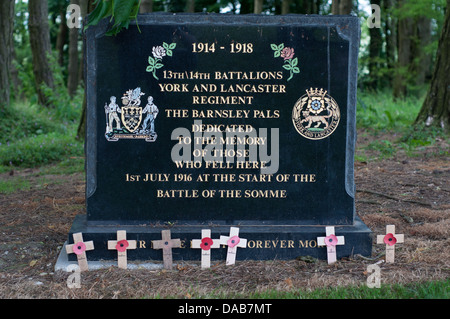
[316, 114]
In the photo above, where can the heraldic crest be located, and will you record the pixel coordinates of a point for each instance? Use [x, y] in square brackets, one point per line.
[131, 120]
[316, 114]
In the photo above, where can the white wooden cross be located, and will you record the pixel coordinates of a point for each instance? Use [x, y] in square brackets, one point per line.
[233, 242]
[206, 243]
[390, 239]
[331, 240]
[166, 244]
[122, 245]
[79, 248]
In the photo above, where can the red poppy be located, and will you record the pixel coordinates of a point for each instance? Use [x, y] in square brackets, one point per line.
[79, 248]
[390, 239]
[331, 240]
[122, 245]
[206, 243]
[233, 241]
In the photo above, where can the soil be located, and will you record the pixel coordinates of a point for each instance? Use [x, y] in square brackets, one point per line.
[411, 192]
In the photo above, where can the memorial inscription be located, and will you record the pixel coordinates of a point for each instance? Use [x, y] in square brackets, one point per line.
[220, 121]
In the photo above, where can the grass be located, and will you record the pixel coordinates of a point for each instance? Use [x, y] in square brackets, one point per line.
[379, 111]
[14, 185]
[427, 290]
[391, 121]
[419, 290]
[32, 136]
[39, 150]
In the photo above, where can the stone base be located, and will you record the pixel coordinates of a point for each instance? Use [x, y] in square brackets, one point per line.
[264, 242]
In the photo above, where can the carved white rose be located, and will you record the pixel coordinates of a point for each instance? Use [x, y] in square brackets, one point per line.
[158, 52]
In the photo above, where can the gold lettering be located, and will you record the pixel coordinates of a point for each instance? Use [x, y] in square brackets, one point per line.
[268, 244]
[248, 193]
[304, 178]
[218, 99]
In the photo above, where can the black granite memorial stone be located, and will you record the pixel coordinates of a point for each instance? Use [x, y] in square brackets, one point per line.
[213, 121]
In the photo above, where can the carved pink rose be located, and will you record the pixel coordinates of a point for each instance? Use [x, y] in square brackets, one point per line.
[287, 53]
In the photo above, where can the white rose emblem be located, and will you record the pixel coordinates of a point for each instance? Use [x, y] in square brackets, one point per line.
[158, 52]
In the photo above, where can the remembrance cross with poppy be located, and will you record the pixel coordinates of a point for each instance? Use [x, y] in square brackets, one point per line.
[233, 242]
[205, 244]
[390, 239]
[331, 240]
[121, 245]
[79, 248]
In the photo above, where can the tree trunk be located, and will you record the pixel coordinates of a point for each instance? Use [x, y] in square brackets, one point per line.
[285, 6]
[72, 80]
[83, 10]
[81, 130]
[345, 6]
[61, 39]
[391, 36]
[258, 5]
[6, 43]
[422, 40]
[310, 6]
[335, 7]
[146, 6]
[190, 6]
[40, 47]
[436, 107]
[341, 7]
[375, 48]
[405, 34]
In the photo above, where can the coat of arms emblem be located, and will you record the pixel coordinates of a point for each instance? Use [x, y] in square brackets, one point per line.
[316, 114]
[131, 124]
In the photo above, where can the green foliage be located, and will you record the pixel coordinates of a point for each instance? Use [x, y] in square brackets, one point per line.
[432, 9]
[12, 185]
[65, 108]
[427, 290]
[40, 149]
[379, 114]
[418, 290]
[384, 147]
[385, 65]
[31, 135]
[22, 120]
[121, 11]
[379, 111]
[69, 165]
